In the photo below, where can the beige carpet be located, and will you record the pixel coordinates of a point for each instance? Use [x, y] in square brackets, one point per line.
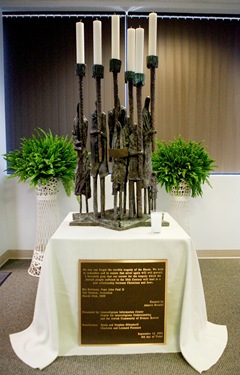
[221, 285]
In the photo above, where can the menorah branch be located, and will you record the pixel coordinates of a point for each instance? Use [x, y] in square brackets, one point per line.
[98, 74]
[152, 64]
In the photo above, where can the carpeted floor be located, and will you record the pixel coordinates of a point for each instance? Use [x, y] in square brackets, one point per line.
[221, 285]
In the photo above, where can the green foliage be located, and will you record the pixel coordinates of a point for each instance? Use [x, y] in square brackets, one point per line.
[180, 160]
[42, 157]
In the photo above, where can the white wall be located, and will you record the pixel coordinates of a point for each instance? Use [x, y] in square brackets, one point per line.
[214, 218]
[218, 214]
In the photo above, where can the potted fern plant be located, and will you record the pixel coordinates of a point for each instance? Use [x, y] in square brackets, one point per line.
[182, 167]
[181, 161]
[43, 160]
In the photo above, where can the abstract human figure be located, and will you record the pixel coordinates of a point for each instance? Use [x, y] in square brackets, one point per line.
[121, 116]
[117, 123]
[133, 170]
[82, 172]
[153, 192]
[119, 169]
[98, 168]
[147, 132]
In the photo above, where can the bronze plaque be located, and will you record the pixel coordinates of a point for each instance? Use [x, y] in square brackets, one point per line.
[122, 302]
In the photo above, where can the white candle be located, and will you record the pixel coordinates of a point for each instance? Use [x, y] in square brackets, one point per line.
[139, 49]
[115, 37]
[80, 43]
[131, 50]
[97, 42]
[152, 34]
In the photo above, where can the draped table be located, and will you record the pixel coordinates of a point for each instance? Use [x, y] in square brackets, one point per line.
[54, 329]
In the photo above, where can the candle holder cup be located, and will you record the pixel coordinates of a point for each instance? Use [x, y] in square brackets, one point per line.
[152, 61]
[97, 71]
[115, 65]
[139, 79]
[80, 70]
[129, 76]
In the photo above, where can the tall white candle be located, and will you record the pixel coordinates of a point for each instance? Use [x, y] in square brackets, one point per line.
[131, 50]
[80, 43]
[115, 37]
[152, 34]
[139, 50]
[97, 42]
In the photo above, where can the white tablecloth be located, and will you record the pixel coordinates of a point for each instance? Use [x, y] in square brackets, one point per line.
[54, 329]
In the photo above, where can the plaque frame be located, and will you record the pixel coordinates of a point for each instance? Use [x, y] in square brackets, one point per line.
[95, 285]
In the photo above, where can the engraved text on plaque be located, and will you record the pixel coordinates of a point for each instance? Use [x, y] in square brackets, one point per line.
[122, 302]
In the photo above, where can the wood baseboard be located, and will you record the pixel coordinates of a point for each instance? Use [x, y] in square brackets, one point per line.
[202, 254]
[15, 254]
[208, 254]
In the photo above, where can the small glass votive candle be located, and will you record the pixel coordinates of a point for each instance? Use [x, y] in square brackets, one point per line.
[156, 221]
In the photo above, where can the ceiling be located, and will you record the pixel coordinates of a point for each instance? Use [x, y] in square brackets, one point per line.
[231, 7]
